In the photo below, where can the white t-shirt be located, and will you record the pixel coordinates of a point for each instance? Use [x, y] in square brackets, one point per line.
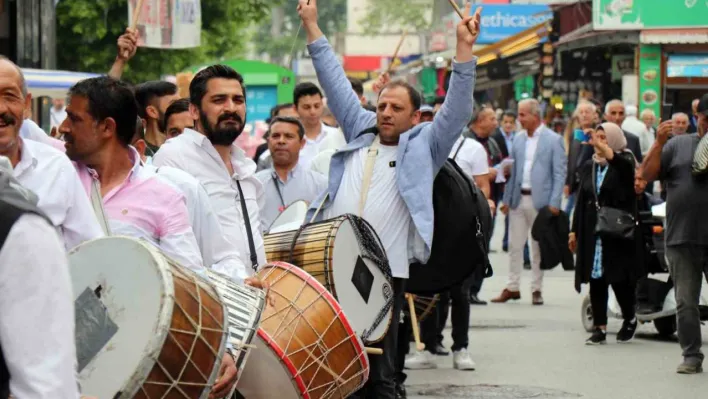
[472, 158]
[384, 209]
[329, 137]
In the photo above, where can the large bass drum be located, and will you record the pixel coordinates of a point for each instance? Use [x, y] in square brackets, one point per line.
[305, 347]
[145, 326]
[345, 255]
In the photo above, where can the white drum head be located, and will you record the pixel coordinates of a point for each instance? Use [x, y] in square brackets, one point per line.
[362, 288]
[123, 296]
[290, 219]
[267, 376]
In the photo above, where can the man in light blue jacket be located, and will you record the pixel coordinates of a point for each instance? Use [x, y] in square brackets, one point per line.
[536, 182]
[407, 157]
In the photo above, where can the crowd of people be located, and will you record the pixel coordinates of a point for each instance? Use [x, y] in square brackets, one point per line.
[140, 161]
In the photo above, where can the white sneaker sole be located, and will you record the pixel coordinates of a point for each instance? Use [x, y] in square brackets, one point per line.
[420, 366]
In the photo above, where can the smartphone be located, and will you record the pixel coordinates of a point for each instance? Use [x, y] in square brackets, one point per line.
[667, 112]
[581, 136]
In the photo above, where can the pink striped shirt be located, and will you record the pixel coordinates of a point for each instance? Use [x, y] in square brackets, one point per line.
[145, 206]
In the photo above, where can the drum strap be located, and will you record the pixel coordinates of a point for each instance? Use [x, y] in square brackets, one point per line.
[368, 173]
[454, 157]
[97, 204]
[249, 232]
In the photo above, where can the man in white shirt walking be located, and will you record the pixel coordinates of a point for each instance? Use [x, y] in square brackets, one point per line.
[399, 204]
[41, 168]
[287, 181]
[536, 181]
[37, 350]
[218, 105]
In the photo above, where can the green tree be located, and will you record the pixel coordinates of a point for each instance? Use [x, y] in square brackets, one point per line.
[278, 42]
[415, 15]
[87, 31]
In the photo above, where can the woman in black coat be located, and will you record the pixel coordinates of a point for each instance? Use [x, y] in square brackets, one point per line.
[603, 262]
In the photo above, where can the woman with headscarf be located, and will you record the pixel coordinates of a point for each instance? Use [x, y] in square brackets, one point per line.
[607, 178]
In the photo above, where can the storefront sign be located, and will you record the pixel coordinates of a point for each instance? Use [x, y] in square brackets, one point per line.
[502, 21]
[622, 64]
[649, 14]
[650, 78]
[687, 66]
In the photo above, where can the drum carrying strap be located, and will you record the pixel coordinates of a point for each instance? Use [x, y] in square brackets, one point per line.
[249, 232]
[368, 173]
[97, 204]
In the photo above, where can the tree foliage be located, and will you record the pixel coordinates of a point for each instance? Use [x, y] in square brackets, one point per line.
[332, 16]
[381, 15]
[87, 31]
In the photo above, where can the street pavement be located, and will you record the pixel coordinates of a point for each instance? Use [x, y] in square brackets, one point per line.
[525, 351]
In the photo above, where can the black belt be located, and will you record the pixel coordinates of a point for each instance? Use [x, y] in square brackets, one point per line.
[525, 191]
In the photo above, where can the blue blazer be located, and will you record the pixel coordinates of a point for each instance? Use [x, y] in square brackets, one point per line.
[548, 171]
[422, 150]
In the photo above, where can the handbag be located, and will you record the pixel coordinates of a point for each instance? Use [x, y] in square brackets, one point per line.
[612, 222]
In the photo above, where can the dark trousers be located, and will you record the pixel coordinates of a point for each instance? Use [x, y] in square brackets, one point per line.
[599, 295]
[476, 280]
[688, 265]
[456, 303]
[382, 371]
[404, 335]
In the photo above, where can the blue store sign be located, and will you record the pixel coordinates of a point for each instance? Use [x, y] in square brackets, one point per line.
[503, 20]
[687, 66]
[259, 101]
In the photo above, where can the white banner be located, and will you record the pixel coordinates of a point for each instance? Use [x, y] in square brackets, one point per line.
[168, 24]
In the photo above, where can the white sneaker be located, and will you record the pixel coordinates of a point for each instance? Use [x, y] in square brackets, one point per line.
[422, 360]
[462, 360]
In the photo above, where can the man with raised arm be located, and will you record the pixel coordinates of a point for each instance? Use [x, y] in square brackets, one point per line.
[407, 156]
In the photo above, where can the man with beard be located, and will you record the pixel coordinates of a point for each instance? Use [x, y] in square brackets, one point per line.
[153, 99]
[218, 105]
[41, 168]
[287, 182]
[398, 202]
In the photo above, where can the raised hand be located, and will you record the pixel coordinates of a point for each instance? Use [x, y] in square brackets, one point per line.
[307, 9]
[467, 33]
[382, 81]
[128, 44]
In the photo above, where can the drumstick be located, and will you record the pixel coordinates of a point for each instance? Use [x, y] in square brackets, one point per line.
[136, 15]
[319, 208]
[395, 53]
[374, 351]
[473, 31]
[414, 324]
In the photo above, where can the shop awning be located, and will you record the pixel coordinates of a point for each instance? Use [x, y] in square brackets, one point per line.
[515, 44]
[584, 37]
[687, 66]
[674, 36]
[55, 84]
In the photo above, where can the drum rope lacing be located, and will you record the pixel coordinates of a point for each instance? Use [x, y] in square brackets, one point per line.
[286, 325]
[370, 246]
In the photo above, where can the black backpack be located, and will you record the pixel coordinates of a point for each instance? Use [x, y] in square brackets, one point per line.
[462, 227]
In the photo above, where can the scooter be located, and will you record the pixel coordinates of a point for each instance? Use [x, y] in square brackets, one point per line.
[664, 316]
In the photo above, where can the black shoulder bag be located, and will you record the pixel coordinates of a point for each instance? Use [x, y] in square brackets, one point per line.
[612, 222]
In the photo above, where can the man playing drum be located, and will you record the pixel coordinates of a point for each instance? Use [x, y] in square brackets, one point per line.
[399, 204]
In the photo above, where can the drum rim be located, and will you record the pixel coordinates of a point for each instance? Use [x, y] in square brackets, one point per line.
[137, 379]
[286, 208]
[359, 345]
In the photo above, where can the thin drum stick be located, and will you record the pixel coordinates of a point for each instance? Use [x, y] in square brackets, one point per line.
[395, 53]
[459, 12]
[414, 324]
[374, 351]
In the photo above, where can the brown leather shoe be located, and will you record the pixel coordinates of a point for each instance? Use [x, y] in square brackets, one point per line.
[506, 295]
[537, 298]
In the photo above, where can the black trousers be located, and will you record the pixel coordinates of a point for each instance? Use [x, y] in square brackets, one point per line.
[456, 303]
[405, 330]
[599, 295]
[382, 371]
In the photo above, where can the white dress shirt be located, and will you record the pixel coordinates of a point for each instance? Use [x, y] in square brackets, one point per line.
[30, 130]
[471, 157]
[329, 137]
[384, 208]
[56, 116]
[193, 153]
[51, 176]
[531, 145]
[37, 312]
[302, 184]
[217, 253]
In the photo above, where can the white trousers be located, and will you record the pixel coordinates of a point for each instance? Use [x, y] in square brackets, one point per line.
[520, 221]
